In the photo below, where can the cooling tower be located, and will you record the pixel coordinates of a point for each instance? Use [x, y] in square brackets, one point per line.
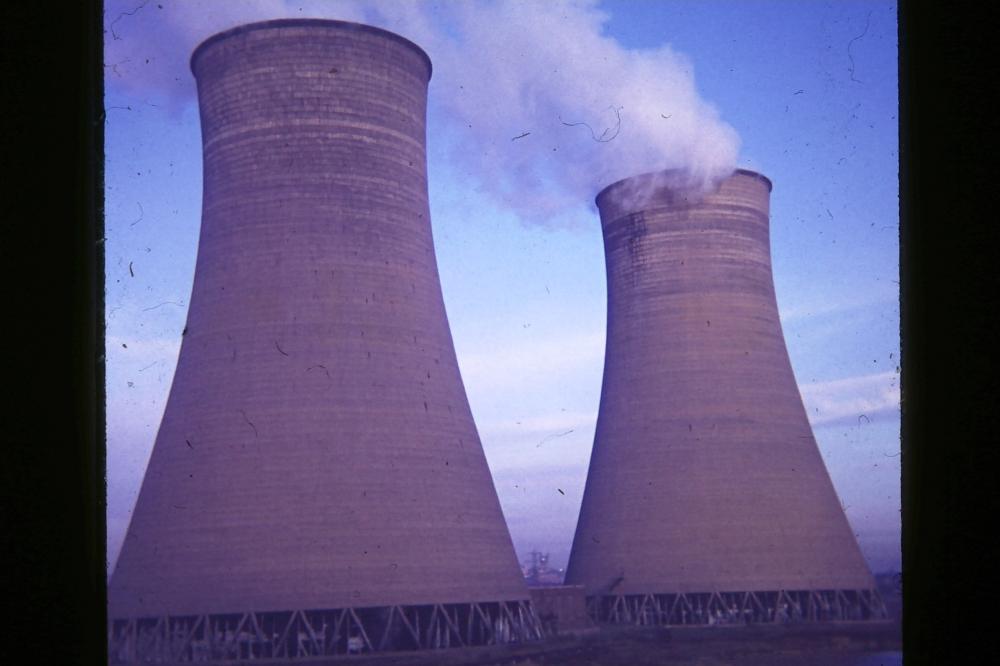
[707, 499]
[317, 484]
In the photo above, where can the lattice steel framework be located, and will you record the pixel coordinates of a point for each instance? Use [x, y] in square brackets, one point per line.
[312, 633]
[734, 608]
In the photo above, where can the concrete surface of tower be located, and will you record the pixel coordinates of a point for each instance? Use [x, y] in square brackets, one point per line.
[317, 451]
[706, 491]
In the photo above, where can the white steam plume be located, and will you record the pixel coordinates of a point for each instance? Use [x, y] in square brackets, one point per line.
[528, 97]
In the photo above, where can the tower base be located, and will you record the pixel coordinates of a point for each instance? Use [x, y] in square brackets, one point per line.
[737, 608]
[313, 633]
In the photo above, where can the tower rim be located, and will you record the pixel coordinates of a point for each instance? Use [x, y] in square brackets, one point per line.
[648, 174]
[305, 23]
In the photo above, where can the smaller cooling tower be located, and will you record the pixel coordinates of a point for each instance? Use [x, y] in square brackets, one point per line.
[707, 499]
[317, 486]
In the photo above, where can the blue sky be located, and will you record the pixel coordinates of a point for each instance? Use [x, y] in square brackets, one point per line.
[804, 92]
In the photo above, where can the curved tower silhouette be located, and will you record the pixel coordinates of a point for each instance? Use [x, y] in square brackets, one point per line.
[317, 484]
[706, 498]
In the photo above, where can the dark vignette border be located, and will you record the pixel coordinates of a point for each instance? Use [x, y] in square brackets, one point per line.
[52, 471]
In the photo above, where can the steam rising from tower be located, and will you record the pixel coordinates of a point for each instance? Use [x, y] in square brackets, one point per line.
[588, 110]
[317, 471]
[706, 493]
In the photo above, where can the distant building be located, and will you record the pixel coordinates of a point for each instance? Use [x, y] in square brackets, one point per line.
[538, 573]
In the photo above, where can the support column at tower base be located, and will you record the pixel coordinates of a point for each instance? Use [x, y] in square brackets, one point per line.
[294, 634]
[737, 608]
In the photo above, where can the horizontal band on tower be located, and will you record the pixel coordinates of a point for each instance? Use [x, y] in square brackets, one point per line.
[308, 23]
[678, 176]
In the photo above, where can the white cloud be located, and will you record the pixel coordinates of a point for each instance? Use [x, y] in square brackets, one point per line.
[852, 400]
[587, 110]
[809, 312]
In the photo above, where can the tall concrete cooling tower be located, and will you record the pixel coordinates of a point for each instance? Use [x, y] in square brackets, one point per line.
[707, 500]
[317, 485]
